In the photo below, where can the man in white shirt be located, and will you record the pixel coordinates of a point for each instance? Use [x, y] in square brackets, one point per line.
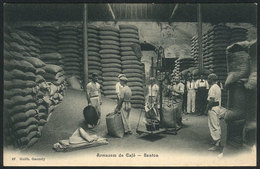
[214, 103]
[94, 95]
[191, 94]
[119, 86]
[201, 95]
[153, 93]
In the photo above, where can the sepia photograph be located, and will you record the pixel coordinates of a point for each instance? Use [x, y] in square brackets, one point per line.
[129, 84]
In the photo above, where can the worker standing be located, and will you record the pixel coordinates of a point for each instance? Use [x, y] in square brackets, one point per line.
[124, 104]
[184, 104]
[153, 93]
[191, 94]
[178, 91]
[214, 104]
[94, 95]
[119, 86]
[202, 91]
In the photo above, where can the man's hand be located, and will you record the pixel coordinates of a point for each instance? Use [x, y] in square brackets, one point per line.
[89, 103]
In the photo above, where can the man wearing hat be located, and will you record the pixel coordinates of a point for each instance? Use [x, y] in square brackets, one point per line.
[119, 86]
[214, 103]
[124, 104]
[94, 95]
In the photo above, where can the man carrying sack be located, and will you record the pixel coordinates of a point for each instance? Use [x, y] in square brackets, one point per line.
[94, 96]
[124, 104]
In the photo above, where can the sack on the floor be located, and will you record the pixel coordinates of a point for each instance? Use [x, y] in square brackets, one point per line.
[115, 125]
[90, 115]
[169, 115]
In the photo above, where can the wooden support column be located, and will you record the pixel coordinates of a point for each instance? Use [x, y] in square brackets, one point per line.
[200, 37]
[152, 68]
[85, 44]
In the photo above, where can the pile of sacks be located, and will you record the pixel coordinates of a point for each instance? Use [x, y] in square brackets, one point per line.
[41, 90]
[238, 62]
[27, 83]
[52, 58]
[110, 59]
[195, 49]
[29, 43]
[81, 53]
[68, 47]
[19, 97]
[238, 35]
[131, 64]
[94, 59]
[214, 56]
[55, 79]
[48, 36]
[184, 63]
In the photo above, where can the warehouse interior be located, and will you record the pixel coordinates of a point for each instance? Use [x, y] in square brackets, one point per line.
[51, 50]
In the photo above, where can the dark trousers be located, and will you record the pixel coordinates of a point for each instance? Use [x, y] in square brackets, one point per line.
[201, 100]
[184, 103]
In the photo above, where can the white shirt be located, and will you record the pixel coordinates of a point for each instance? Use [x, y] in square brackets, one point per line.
[118, 89]
[177, 87]
[205, 83]
[191, 85]
[215, 92]
[93, 89]
[153, 91]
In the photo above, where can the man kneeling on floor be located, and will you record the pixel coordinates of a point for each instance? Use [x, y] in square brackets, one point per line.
[94, 96]
[124, 104]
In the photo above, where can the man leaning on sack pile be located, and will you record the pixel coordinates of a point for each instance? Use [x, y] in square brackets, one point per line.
[215, 112]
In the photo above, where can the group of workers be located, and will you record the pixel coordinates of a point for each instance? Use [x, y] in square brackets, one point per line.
[208, 100]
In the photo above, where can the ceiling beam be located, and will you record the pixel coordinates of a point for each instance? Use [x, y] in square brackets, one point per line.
[111, 11]
[173, 11]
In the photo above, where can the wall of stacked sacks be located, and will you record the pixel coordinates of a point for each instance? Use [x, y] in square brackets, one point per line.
[215, 41]
[32, 88]
[131, 64]
[110, 59]
[182, 64]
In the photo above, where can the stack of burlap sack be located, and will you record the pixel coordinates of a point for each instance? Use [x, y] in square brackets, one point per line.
[238, 35]
[110, 59]
[56, 84]
[214, 58]
[20, 108]
[68, 47]
[26, 84]
[195, 49]
[49, 38]
[241, 64]
[131, 64]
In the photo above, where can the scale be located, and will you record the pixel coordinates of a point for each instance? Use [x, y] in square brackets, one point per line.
[161, 75]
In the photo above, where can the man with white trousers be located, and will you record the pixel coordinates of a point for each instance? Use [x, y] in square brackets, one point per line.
[191, 94]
